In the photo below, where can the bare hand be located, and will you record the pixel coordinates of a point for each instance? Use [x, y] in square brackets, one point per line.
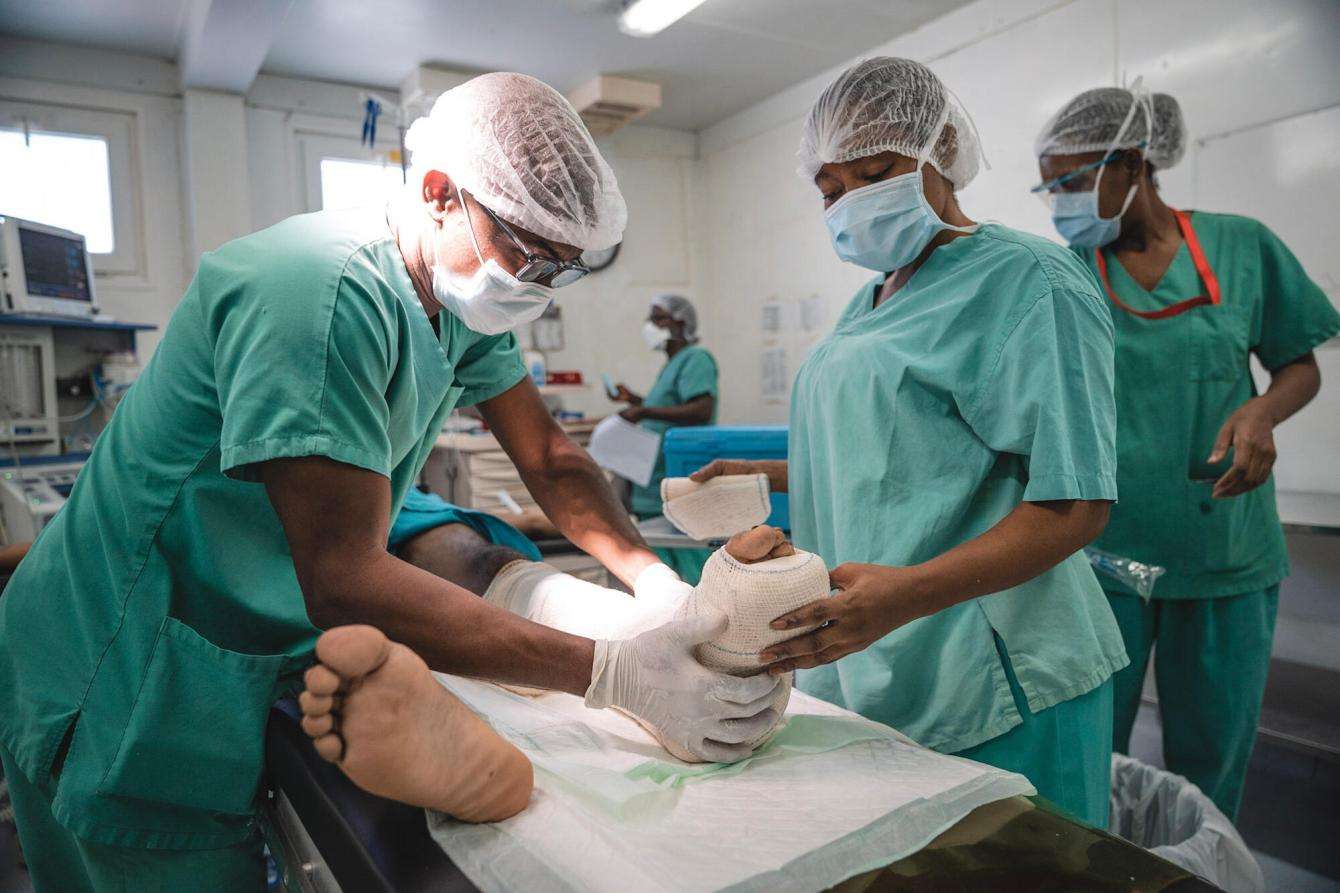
[1251, 433]
[775, 469]
[623, 395]
[633, 414]
[872, 602]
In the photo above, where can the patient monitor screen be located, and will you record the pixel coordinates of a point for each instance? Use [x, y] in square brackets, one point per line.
[54, 266]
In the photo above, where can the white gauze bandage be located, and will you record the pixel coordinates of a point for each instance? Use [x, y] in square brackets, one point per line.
[721, 507]
[546, 595]
[752, 596]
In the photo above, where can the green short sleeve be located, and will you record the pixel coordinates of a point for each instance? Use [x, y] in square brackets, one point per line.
[1049, 397]
[488, 367]
[304, 378]
[697, 377]
[1296, 315]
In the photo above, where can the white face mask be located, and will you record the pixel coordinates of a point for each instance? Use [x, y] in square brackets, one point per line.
[654, 335]
[492, 301]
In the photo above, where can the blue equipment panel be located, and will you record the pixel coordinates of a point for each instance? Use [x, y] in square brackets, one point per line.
[688, 449]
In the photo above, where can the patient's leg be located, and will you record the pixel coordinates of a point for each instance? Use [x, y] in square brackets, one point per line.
[374, 710]
[456, 553]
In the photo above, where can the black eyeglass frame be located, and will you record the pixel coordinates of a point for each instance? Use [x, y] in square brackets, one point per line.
[559, 272]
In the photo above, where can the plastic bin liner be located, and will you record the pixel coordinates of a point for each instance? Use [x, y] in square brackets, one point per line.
[1173, 819]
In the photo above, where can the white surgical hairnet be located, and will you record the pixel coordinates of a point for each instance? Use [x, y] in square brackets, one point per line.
[519, 147]
[886, 104]
[681, 309]
[1100, 119]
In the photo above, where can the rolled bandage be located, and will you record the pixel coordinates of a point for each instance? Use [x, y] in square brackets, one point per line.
[752, 596]
[721, 507]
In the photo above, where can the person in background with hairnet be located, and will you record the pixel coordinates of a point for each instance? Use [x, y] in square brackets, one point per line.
[952, 449]
[239, 502]
[684, 393]
[1193, 294]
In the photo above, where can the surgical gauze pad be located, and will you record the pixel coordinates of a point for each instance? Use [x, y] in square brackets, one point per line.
[722, 507]
[752, 596]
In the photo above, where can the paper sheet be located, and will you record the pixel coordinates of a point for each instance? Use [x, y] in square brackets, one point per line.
[625, 449]
[612, 811]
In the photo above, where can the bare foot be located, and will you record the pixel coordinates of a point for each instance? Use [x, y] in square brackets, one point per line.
[763, 543]
[372, 707]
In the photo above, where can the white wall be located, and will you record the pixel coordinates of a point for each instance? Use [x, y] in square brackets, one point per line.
[1259, 84]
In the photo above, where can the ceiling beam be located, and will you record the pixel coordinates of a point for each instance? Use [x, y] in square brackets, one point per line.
[224, 42]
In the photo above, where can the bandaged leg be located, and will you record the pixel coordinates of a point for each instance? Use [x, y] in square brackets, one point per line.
[540, 592]
[753, 580]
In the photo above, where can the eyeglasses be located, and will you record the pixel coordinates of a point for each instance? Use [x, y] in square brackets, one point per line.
[1081, 179]
[537, 266]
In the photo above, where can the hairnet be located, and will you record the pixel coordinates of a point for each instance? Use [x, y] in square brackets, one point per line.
[681, 309]
[518, 146]
[1100, 119]
[886, 104]
[1168, 144]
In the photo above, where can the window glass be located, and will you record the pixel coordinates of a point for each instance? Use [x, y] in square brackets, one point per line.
[348, 182]
[61, 180]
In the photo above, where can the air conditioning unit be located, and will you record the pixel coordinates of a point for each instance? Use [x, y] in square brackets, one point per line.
[607, 103]
[421, 87]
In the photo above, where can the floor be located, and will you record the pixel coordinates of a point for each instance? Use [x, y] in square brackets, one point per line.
[1289, 816]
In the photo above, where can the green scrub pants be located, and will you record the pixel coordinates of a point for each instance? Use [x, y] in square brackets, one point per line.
[1212, 658]
[1064, 750]
[60, 862]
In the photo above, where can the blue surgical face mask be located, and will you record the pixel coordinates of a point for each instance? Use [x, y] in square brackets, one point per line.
[1075, 216]
[885, 225]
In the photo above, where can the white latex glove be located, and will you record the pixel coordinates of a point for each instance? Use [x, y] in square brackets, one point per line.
[655, 677]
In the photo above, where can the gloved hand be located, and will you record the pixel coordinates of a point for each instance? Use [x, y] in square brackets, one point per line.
[655, 677]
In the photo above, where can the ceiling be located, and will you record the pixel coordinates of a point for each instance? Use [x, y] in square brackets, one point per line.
[723, 57]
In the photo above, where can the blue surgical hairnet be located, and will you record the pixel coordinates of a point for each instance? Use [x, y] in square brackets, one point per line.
[682, 310]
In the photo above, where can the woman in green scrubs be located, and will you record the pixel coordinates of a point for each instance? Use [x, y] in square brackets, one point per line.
[1193, 295]
[239, 500]
[952, 449]
[684, 393]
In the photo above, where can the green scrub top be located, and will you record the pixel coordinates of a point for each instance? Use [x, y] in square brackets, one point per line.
[158, 616]
[1178, 380]
[916, 426]
[688, 374]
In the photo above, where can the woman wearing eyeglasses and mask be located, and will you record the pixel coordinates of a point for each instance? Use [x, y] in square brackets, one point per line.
[1193, 294]
[951, 452]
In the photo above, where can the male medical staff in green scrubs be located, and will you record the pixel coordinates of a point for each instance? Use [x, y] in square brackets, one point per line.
[240, 499]
[1193, 294]
[684, 393]
[952, 448]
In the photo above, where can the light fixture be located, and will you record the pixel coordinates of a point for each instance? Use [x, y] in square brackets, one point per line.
[645, 18]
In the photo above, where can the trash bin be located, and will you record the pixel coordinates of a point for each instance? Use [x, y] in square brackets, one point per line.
[1173, 819]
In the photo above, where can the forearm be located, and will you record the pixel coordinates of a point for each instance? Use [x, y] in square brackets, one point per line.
[691, 413]
[1291, 388]
[576, 496]
[452, 629]
[1033, 538]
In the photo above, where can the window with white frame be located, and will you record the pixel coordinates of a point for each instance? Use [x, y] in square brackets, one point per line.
[350, 182]
[71, 167]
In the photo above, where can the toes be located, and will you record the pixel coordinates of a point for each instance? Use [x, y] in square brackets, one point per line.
[330, 747]
[316, 726]
[352, 651]
[316, 705]
[321, 680]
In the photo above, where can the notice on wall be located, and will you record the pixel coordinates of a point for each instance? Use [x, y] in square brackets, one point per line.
[775, 383]
[771, 321]
[811, 313]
